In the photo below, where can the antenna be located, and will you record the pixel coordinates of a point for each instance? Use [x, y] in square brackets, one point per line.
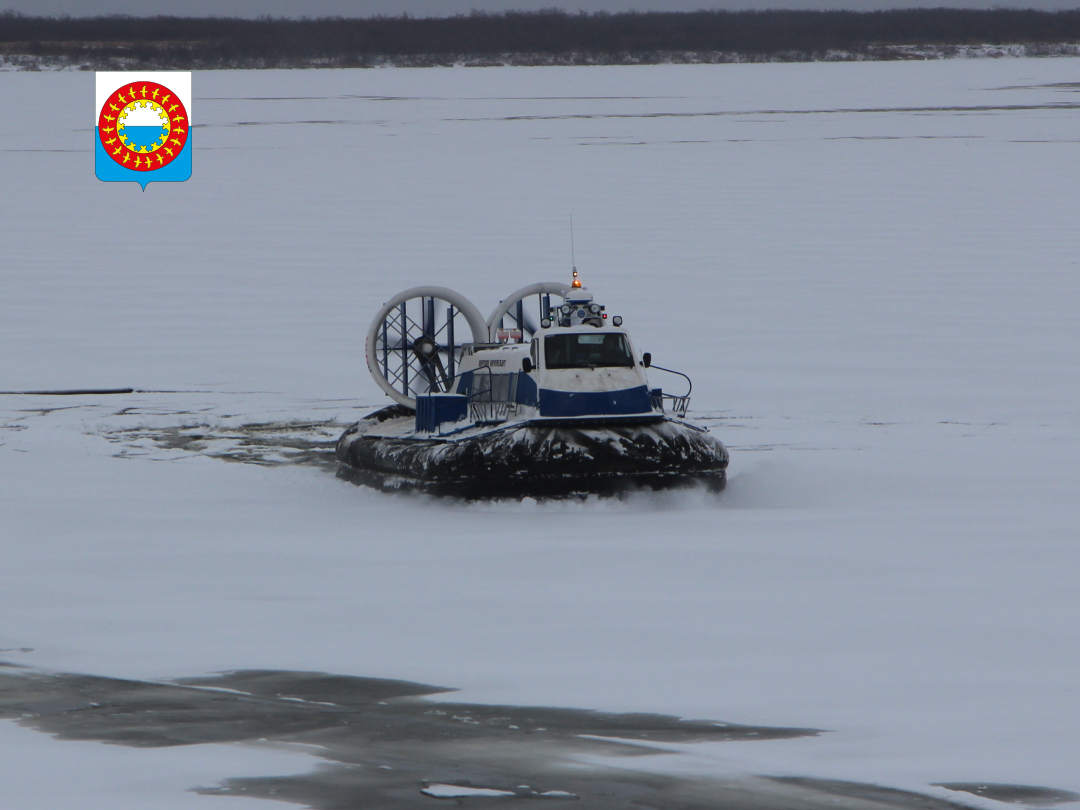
[573, 262]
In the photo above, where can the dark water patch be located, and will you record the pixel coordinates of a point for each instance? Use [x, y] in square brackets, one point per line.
[384, 746]
[266, 444]
[1070, 86]
[601, 787]
[72, 392]
[905, 138]
[341, 691]
[282, 123]
[1015, 794]
[866, 795]
[278, 705]
[982, 109]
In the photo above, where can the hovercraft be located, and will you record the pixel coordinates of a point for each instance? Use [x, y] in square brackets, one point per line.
[548, 398]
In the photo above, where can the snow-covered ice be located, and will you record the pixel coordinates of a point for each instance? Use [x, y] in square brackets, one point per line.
[461, 791]
[872, 272]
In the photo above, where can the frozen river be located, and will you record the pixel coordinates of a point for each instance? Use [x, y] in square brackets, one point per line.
[871, 271]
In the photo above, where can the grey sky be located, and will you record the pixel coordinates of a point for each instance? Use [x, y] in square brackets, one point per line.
[429, 8]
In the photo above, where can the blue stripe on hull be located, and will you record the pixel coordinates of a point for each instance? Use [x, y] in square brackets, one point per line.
[595, 403]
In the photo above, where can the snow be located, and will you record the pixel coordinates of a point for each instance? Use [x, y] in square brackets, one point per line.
[460, 791]
[870, 270]
[440, 791]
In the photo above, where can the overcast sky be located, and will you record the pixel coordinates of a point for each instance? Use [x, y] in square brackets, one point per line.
[431, 8]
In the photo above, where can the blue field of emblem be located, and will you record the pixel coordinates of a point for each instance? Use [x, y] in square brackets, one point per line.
[109, 170]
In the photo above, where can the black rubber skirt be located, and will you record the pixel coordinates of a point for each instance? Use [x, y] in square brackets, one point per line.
[536, 459]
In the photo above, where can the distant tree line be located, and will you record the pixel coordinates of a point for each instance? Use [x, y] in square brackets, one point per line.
[522, 37]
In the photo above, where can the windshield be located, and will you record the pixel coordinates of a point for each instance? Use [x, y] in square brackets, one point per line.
[587, 351]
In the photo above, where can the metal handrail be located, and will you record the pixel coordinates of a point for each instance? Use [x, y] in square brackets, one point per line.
[684, 376]
[491, 410]
[679, 405]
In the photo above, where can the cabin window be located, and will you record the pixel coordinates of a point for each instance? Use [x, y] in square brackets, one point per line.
[602, 350]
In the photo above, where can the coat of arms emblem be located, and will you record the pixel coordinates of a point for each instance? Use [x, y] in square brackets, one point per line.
[143, 127]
